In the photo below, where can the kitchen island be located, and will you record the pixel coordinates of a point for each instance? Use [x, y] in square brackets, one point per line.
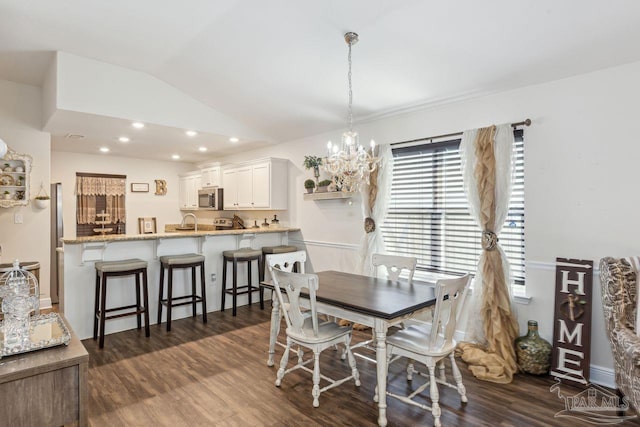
[80, 254]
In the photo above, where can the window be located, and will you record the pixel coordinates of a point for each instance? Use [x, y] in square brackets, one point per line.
[100, 204]
[428, 215]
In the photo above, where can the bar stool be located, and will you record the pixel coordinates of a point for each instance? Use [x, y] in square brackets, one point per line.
[247, 255]
[173, 262]
[129, 267]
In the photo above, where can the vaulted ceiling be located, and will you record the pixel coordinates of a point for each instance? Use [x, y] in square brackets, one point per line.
[279, 66]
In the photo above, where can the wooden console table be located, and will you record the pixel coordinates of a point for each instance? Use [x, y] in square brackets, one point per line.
[46, 387]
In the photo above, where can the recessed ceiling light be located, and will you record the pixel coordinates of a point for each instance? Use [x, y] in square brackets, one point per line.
[191, 132]
[175, 157]
[124, 139]
[233, 139]
[137, 125]
[202, 149]
[104, 149]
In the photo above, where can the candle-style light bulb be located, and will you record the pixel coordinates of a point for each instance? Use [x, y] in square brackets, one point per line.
[373, 145]
[335, 148]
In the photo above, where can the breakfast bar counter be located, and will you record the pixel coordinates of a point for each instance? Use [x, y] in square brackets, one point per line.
[80, 254]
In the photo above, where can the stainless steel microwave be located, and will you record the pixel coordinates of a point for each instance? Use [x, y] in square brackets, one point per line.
[210, 198]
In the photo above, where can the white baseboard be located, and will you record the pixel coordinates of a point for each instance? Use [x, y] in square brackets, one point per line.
[602, 376]
[45, 302]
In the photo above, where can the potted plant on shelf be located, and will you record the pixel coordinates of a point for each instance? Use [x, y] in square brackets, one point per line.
[7, 195]
[309, 184]
[313, 162]
[322, 186]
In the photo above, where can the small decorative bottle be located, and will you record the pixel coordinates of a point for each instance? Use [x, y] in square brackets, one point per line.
[534, 352]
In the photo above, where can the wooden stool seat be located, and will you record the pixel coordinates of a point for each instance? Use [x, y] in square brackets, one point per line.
[247, 255]
[129, 267]
[182, 261]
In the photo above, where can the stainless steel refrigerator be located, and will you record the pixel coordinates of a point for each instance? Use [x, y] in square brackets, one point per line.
[56, 235]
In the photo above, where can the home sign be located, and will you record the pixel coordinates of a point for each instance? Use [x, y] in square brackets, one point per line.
[572, 321]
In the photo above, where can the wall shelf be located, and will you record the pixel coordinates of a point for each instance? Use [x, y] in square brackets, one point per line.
[329, 195]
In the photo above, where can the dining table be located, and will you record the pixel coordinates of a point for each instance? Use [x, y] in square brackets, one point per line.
[375, 302]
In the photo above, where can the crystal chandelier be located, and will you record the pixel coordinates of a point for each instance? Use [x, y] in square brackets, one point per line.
[350, 164]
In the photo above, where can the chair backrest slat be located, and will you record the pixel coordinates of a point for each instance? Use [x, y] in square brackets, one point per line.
[395, 265]
[449, 296]
[287, 260]
[293, 284]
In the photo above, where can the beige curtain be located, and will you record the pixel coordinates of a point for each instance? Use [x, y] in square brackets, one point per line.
[115, 208]
[85, 209]
[88, 187]
[487, 173]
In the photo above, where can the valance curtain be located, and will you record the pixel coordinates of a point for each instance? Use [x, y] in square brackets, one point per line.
[88, 187]
[375, 202]
[487, 159]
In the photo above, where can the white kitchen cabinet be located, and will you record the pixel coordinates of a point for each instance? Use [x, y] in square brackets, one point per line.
[261, 184]
[230, 186]
[189, 184]
[211, 177]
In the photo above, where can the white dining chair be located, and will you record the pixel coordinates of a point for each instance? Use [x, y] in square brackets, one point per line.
[430, 345]
[308, 331]
[394, 266]
[286, 262]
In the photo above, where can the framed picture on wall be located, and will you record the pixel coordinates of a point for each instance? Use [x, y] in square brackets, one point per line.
[147, 225]
[139, 187]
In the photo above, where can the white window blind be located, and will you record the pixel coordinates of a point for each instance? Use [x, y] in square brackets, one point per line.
[429, 217]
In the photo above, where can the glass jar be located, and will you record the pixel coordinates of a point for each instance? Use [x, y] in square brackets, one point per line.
[534, 352]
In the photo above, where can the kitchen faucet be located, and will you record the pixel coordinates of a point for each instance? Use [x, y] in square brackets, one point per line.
[195, 220]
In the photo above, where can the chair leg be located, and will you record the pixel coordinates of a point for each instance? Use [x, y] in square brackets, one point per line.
[145, 296]
[203, 292]
[283, 364]
[224, 282]
[352, 362]
[234, 295]
[458, 378]
[96, 308]
[435, 397]
[260, 288]
[169, 297]
[138, 305]
[161, 294]
[249, 281]
[441, 368]
[193, 291]
[315, 392]
[103, 307]
[410, 370]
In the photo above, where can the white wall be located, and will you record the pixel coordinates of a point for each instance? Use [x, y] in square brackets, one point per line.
[581, 163]
[165, 208]
[20, 124]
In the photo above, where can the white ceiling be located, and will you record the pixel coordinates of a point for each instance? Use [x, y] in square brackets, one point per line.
[279, 66]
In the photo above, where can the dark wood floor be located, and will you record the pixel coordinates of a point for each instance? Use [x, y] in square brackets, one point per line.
[216, 375]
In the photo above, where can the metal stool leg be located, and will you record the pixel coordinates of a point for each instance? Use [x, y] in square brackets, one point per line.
[249, 280]
[169, 297]
[224, 282]
[161, 293]
[203, 292]
[193, 291]
[145, 290]
[234, 294]
[96, 307]
[138, 306]
[103, 304]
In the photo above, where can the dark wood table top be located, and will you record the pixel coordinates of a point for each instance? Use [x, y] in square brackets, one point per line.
[372, 296]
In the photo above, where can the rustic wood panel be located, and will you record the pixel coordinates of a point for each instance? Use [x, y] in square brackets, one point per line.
[216, 375]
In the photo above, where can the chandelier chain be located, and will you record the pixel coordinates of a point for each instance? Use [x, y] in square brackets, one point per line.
[350, 92]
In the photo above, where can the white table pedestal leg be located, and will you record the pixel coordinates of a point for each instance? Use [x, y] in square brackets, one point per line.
[381, 366]
[275, 327]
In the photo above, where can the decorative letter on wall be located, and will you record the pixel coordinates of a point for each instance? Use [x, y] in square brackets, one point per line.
[572, 321]
[161, 187]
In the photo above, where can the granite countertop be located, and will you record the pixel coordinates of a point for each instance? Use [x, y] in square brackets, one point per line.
[173, 235]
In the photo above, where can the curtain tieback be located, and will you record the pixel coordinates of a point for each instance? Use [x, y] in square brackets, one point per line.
[369, 225]
[489, 240]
